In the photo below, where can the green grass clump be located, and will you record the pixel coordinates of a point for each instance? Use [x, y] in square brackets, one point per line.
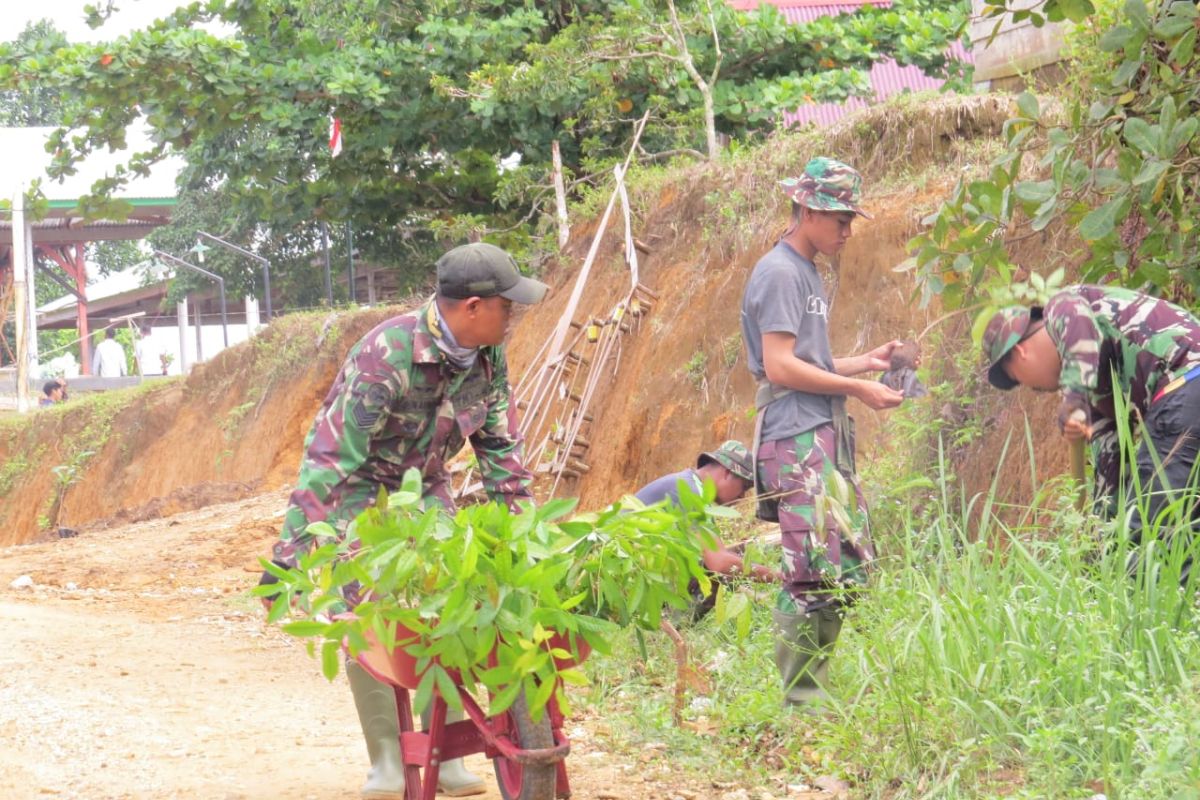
[1050, 658]
[1031, 650]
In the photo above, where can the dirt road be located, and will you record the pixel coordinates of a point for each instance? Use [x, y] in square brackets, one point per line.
[134, 666]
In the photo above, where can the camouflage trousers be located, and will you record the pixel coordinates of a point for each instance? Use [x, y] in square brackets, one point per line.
[822, 519]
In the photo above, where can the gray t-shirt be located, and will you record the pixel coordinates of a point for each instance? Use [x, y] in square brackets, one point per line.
[667, 487]
[785, 295]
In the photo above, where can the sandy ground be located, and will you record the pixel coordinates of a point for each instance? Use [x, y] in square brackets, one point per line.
[134, 666]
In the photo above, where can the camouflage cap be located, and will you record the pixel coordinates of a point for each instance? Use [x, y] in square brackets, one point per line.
[733, 456]
[1004, 330]
[827, 185]
[484, 270]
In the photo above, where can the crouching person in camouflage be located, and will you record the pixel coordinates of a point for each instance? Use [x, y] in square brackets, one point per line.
[1093, 343]
[410, 393]
[805, 447]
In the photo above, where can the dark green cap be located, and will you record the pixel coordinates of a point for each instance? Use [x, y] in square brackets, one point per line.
[1004, 330]
[733, 456]
[484, 270]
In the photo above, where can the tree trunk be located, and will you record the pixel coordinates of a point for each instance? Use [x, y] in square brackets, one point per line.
[560, 196]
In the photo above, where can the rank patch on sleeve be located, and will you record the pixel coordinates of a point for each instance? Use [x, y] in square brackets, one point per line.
[368, 408]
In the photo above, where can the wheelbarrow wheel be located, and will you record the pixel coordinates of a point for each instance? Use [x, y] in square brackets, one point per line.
[526, 781]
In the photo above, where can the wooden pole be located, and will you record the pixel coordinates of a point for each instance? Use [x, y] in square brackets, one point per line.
[79, 273]
[181, 313]
[20, 299]
[560, 332]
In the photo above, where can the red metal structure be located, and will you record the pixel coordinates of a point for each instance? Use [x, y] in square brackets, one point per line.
[60, 238]
[529, 756]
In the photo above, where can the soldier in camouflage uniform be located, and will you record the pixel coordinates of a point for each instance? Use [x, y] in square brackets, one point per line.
[409, 394]
[805, 448]
[730, 468]
[1093, 343]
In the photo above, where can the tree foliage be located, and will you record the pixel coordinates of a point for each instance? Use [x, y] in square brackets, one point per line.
[35, 104]
[1117, 162]
[433, 94]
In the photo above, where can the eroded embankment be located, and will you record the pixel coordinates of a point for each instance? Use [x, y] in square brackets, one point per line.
[235, 425]
[683, 383]
[238, 422]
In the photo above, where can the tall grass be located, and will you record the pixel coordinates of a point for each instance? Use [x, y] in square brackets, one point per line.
[1024, 660]
[1002, 652]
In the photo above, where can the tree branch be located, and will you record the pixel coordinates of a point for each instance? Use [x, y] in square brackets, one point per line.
[710, 125]
[681, 151]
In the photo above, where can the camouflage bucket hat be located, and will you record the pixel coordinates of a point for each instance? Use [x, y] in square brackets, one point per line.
[827, 185]
[733, 456]
[1004, 330]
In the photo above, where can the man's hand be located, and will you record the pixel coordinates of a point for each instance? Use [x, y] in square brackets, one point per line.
[1073, 420]
[877, 396]
[1076, 428]
[881, 357]
[267, 579]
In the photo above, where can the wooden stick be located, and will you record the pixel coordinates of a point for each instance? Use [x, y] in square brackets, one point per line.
[681, 669]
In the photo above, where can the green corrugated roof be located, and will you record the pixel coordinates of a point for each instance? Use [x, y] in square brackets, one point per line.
[133, 201]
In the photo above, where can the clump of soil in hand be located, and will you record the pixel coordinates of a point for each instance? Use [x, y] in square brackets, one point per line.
[905, 356]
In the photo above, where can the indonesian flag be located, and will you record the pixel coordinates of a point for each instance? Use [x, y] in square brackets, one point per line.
[335, 136]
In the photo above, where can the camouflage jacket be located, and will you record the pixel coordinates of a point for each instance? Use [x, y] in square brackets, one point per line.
[395, 405]
[1115, 340]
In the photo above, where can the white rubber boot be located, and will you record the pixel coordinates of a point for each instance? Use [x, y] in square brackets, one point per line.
[376, 704]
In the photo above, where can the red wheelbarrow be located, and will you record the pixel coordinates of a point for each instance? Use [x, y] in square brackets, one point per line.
[529, 756]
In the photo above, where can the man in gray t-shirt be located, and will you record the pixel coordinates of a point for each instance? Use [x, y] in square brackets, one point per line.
[805, 435]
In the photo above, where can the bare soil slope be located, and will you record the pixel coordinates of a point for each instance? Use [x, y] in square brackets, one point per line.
[236, 425]
[233, 426]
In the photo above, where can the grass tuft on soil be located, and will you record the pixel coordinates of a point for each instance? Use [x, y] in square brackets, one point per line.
[990, 659]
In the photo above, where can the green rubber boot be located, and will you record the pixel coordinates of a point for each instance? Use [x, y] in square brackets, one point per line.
[453, 778]
[802, 654]
[376, 704]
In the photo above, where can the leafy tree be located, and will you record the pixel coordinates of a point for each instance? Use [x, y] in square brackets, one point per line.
[423, 141]
[1115, 161]
[740, 71]
[35, 104]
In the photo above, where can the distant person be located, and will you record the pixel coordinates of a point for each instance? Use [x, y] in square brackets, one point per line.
[730, 468]
[109, 359]
[54, 391]
[147, 353]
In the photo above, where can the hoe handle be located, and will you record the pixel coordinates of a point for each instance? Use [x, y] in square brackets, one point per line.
[1077, 466]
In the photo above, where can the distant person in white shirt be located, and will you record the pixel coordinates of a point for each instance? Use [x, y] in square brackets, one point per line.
[109, 360]
[147, 353]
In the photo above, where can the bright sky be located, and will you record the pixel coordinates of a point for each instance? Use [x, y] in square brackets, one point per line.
[68, 16]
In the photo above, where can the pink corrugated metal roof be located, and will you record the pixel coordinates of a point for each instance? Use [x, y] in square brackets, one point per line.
[887, 77]
[807, 10]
